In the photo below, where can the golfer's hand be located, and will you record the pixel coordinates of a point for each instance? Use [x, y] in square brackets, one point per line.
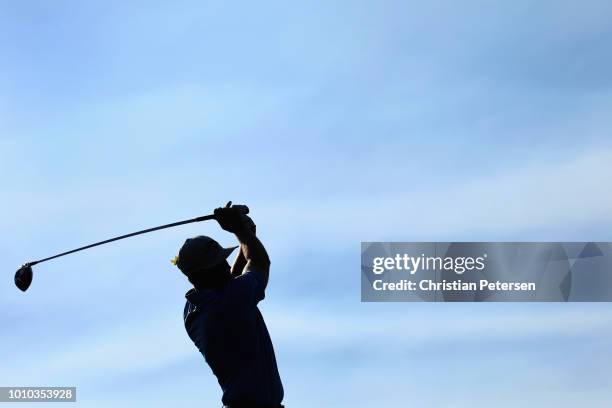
[232, 220]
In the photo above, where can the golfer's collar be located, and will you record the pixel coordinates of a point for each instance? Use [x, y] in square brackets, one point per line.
[191, 295]
[195, 296]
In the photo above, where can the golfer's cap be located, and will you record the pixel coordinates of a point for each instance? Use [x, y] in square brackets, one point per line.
[201, 252]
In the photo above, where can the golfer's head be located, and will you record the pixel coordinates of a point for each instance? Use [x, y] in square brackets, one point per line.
[204, 261]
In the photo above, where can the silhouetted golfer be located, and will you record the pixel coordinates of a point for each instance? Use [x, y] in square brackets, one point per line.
[221, 314]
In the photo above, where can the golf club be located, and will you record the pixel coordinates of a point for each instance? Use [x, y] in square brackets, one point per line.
[23, 276]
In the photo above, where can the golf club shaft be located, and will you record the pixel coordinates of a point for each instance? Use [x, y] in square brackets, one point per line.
[174, 224]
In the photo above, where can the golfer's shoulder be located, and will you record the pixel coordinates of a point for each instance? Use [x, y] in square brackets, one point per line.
[253, 274]
[248, 288]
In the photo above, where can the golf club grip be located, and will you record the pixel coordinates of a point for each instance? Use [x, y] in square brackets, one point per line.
[174, 224]
[242, 209]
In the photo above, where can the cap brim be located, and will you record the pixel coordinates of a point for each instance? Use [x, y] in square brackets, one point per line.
[228, 251]
[222, 255]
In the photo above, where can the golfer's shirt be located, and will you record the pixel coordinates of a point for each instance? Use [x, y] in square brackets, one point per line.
[230, 332]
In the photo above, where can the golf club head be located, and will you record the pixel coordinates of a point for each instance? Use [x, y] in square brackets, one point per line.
[23, 277]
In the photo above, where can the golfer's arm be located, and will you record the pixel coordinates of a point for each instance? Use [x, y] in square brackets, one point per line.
[239, 264]
[254, 253]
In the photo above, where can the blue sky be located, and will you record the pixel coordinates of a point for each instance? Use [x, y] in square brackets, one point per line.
[337, 122]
